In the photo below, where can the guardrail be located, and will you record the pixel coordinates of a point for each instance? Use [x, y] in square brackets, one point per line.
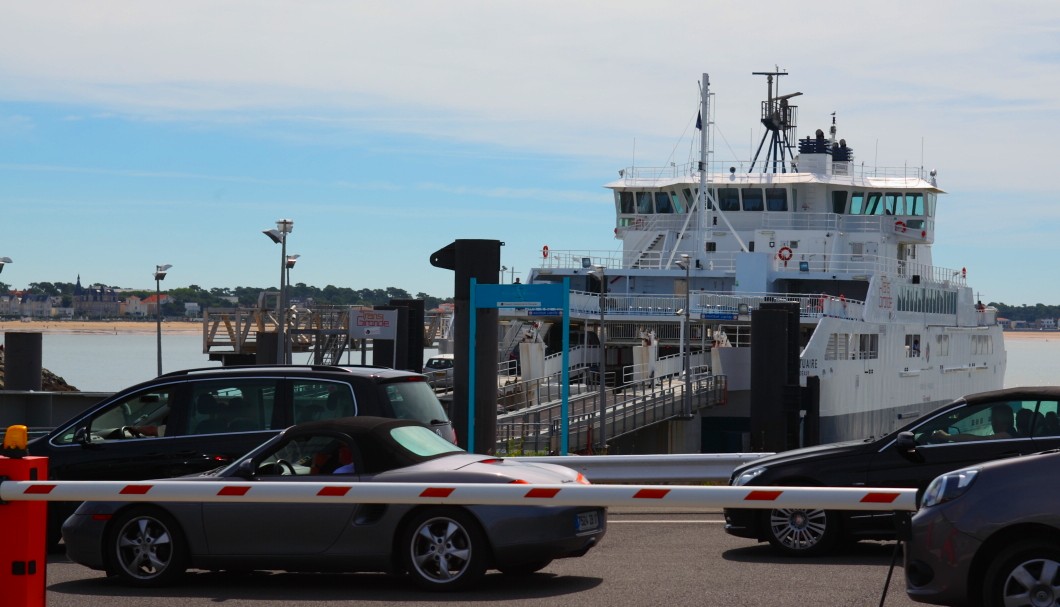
[569, 494]
[687, 468]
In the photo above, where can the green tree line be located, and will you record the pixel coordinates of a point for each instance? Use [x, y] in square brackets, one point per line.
[246, 297]
[1026, 312]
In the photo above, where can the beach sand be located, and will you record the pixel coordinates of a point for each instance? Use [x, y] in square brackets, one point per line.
[116, 327]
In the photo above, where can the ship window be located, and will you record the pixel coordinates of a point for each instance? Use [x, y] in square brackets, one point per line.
[776, 199]
[912, 346]
[728, 199]
[931, 204]
[914, 204]
[873, 205]
[625, 203]
[711, 247]
[894, 203]
[662, 203]
[838, 347]
[678, 204]
[857, 202]
[644, 203]
[944, 345]
[752, 199]
[690, 200]
[751, 246]
[712, 195]
[839, 202]
[982, 344]
[868, 346]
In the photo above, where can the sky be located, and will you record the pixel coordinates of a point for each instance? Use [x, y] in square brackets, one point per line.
[141, 133]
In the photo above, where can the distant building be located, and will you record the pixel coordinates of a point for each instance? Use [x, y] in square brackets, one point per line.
[192, 309]
[1046, 324]
[95, 301]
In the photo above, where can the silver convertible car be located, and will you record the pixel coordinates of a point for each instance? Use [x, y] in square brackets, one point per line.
[440, 547]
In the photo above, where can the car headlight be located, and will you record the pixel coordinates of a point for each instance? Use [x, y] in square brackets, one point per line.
[748, 476]
[948, 487]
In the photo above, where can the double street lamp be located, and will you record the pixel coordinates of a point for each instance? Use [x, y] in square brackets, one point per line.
[4, 260]
[279, 236]
[160, 274]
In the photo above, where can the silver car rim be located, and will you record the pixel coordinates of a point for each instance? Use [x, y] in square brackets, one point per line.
[441, 550]
[798, 529]
[1032, 583]
[145, 547]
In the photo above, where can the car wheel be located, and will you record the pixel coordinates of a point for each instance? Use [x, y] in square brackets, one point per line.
[444, 549]
[1027, 573]
[802, 532]
[525, 568]
[146, 548]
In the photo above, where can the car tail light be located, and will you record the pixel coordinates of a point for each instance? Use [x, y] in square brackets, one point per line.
[519, 481]
[494, 460]
[581, 479]
[102, 517]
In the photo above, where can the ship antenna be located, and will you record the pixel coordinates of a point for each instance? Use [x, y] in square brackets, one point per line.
[779, 119]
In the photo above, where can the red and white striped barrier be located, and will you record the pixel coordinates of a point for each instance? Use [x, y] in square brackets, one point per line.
[831, 498]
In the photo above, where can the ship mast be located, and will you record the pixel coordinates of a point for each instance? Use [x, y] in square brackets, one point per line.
[704, 154]
[779, 119]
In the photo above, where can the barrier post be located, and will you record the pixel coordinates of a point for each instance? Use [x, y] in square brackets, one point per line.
[23, 525]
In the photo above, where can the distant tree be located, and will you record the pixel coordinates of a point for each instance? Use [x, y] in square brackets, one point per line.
[43, 288]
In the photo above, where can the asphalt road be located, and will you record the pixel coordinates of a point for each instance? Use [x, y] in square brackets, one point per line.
[647, 558]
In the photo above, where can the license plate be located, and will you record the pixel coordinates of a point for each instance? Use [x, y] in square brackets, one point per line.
[587, 521]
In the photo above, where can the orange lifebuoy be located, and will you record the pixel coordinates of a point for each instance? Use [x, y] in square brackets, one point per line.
[899, 226]
[784, 254]
[544, 251]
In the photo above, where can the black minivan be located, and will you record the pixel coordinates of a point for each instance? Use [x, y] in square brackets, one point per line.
[196, 420]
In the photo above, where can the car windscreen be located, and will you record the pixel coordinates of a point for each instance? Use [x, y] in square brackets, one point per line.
[422, 442]
[413, 400]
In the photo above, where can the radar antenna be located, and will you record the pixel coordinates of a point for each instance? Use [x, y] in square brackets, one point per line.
[779, 119]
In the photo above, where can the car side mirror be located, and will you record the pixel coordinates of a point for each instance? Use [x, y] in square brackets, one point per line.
[246, 469]
[84, 438]
[906, 446]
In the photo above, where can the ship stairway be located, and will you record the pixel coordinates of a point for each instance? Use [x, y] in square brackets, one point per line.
[651, 255]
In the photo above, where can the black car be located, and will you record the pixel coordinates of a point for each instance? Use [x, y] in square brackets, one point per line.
[195, 420]
[971, 430]
[441, 547]
[974, 544]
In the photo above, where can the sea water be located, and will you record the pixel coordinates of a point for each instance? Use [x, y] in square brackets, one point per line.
[105, 362]
[108, 362]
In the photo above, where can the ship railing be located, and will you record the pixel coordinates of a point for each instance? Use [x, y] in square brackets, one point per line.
[628, 408]
[580, 259]
[707, 305]
[718, 172]
[868, 265]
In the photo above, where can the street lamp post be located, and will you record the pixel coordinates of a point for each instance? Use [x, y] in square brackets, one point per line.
[279, 236]
[686, 329]
[160, 274]
[288, 345]
[599, 272]
[4, 260]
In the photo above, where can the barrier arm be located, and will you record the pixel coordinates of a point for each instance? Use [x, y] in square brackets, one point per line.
[831, 498]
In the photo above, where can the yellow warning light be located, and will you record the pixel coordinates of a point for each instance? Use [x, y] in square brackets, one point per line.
[15, 439]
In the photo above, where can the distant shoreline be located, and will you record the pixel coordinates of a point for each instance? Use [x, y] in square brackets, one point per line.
[117, 327]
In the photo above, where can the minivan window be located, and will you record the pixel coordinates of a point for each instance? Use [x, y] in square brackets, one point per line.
[413, 400]
[144, 409]
[317, 399]
[238, 404]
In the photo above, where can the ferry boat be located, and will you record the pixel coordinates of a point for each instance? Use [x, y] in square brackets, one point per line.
[884, 334]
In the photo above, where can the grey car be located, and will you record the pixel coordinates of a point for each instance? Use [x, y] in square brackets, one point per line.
[440, 547]
[989, 535]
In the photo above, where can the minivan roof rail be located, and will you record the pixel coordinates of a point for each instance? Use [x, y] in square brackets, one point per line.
[261, 367]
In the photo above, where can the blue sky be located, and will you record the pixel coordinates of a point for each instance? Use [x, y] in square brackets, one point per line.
[134, 134]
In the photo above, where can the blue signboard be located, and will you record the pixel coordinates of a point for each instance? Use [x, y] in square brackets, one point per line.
[719, 315]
